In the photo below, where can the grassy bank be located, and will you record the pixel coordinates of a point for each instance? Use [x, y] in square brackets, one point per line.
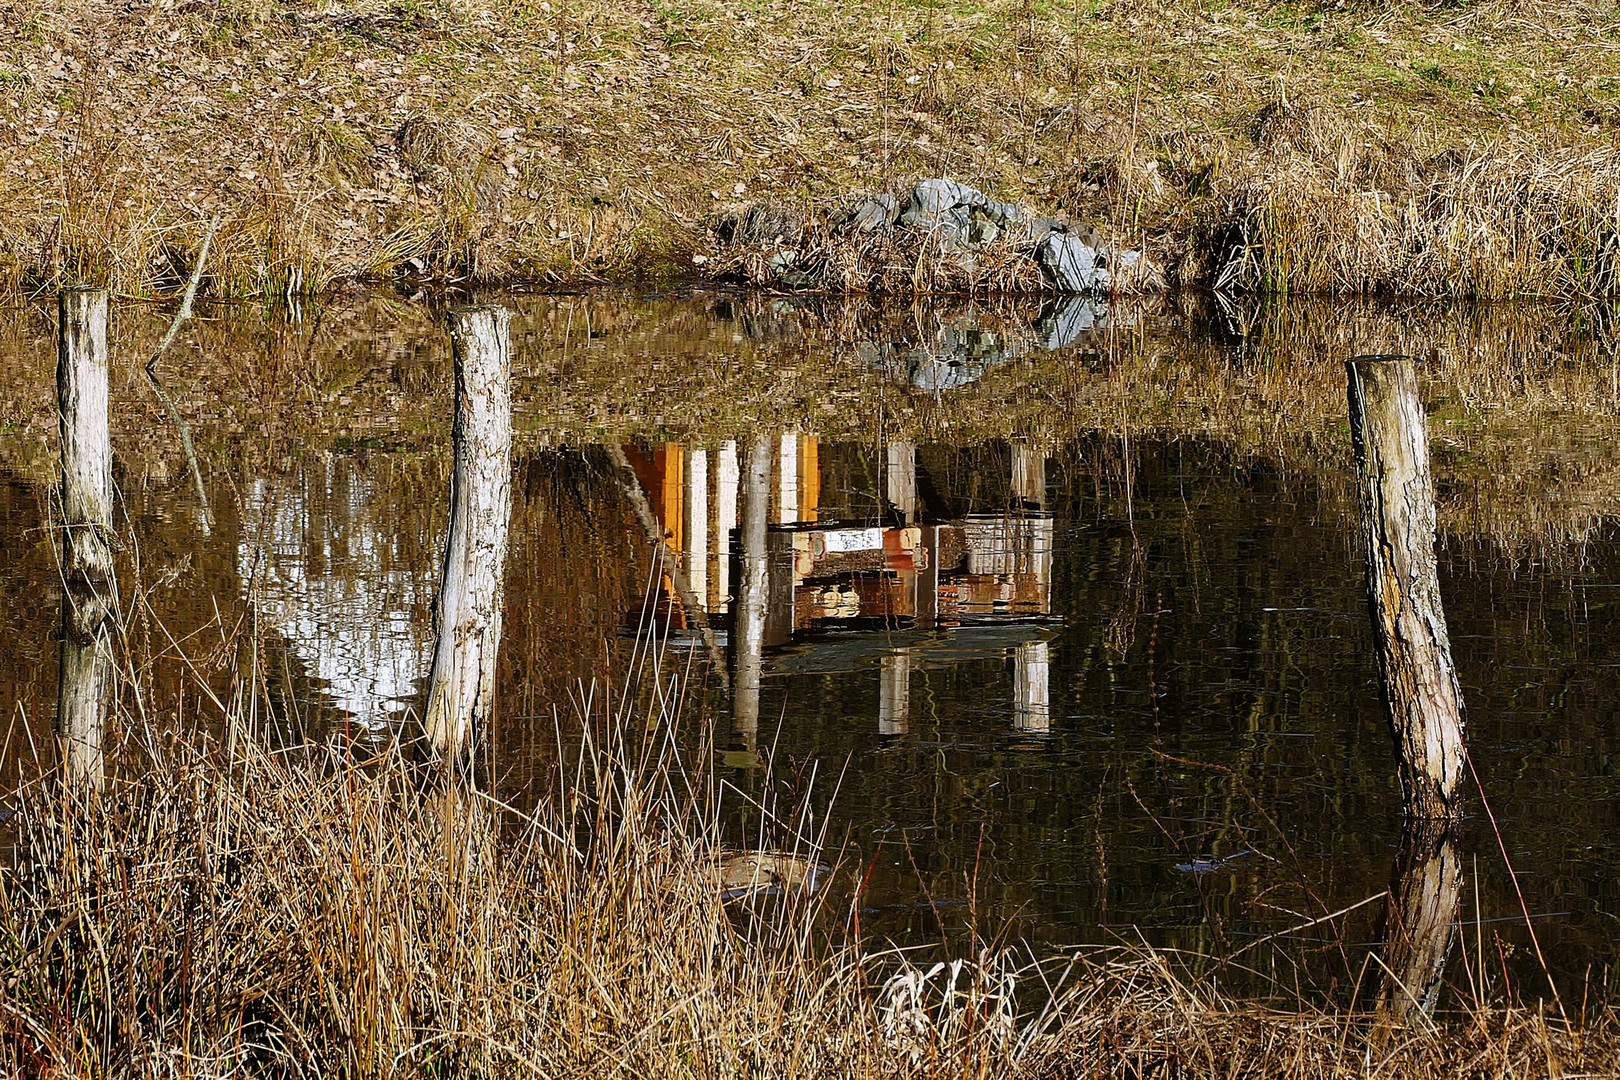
[299, 912]
[1464, 149]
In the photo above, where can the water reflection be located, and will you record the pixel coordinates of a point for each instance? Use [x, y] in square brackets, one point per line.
[815, 580]
[344, 592]
[921, 588]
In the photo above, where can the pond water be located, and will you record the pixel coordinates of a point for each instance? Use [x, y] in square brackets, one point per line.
[1061, 626]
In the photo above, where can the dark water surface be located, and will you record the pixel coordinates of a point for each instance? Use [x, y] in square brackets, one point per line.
[1069, 683]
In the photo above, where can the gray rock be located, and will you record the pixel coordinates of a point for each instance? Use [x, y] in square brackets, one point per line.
[931, 198]
[877, 212]
[1064, 320]
[934, 202]
[1003, 214]
[1071, 264]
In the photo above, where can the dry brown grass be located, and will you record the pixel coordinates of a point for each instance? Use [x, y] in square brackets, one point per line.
[578, 140]
[239, 909]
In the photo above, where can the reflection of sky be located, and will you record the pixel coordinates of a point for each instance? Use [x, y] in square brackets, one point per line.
[337, 589]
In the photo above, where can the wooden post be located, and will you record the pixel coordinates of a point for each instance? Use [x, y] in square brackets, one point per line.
[467, 609]
[900, 479]
[1421, 696]
[894, 692]
[1028, 477]
[90, 589]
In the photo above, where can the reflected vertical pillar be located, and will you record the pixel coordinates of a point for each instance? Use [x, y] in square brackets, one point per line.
[900, 479]
[1028, 477]
[1032, 703]
[894, 692]
[788, 479]
[749, 617]
[809, 477]
[695, 503]
[1420, 918]
[725, 518]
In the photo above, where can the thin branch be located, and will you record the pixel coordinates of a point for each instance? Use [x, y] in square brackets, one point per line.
[180, 425]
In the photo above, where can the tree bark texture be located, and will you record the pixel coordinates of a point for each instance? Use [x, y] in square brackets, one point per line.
[1420, 921]
[1422, 699]
[467, 609]
[90, 596]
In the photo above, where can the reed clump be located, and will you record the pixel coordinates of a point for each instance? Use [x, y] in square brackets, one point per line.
[1331, 207]
[243, 909]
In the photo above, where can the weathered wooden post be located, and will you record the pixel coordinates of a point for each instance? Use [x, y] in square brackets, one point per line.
[1423, 702]
[90, 588]
[1028, 477]
[1420, 918]
[1419, 681]
[467, 609]
[900, 479]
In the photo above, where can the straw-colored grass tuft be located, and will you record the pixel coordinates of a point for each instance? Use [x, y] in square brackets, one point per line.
[302, 912]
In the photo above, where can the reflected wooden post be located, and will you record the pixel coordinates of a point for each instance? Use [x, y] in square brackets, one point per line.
[788, 479]
[467, 609]
[894, 692]
[900, 479]
[1420, 919]
[725, 518]
[90, 588]
[1032, 698]
[696, 506]
[748, 614]
[1421, 696]
[1028, 477]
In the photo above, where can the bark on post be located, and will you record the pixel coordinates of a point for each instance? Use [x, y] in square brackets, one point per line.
[1421, 696]
[90, 597]
[467, 609]
[1420, 919]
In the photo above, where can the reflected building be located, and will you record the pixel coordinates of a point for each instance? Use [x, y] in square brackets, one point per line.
[750, 536]
[333, 572]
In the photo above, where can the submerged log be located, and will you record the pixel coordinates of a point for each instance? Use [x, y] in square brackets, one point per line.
[90, 592]
[467, 609]
[1421, 696]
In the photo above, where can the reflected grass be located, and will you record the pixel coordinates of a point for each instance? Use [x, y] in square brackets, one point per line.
[1523, 399]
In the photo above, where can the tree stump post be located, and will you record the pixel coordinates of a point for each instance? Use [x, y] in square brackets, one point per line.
[1421, 696]
[467, 608]
[89, 585]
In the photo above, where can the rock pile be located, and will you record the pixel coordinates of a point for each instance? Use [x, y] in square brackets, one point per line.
[939, 237]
